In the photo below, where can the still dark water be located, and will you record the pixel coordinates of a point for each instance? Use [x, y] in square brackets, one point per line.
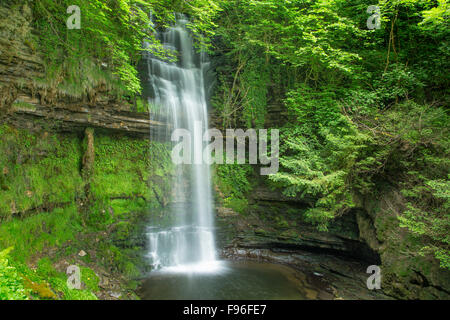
[235, 281]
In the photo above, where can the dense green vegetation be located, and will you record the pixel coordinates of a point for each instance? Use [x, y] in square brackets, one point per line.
[46, 218]
[367, 108]
[105, 51]
[366, 113]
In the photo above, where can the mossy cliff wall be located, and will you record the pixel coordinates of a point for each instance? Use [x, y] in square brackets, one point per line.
[46, 211]
[45, 170]
[31, 97]
[78, 175]
[407, 273]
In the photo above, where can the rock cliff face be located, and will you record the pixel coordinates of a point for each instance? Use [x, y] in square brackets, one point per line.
[368, 235]
[28, 103]
[276, 222]
[28, 113]
[407, 274]
[19, 63]
[273, 231]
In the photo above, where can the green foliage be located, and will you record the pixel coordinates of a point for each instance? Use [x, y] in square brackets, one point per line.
[365, 108]
[111, 33]
[105, 51]
[245, 95]
[234, 179]
[421, 155]
[11, 285]
[254, 80]
[297, 33]
[37, 233]
[318, 155]
[234, 183]
[202, 14]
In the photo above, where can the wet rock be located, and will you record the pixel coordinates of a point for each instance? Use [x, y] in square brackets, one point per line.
[404, 276]
[82, 253]
[226, 212]
[22, 102]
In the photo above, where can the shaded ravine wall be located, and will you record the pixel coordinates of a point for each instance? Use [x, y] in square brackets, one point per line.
[27, 102]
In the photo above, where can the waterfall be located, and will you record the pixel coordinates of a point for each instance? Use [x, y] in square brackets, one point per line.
[178, 94]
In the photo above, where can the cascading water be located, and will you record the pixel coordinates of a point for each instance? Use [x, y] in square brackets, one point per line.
[183, 242]
[178, 95]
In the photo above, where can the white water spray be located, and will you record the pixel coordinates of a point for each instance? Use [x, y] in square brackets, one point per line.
[179, 96]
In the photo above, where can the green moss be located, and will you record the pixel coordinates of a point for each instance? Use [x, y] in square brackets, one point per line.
[45, 282]
[122, 208]
[261, 232]
[288, 234]
[60, 285]
[40, 170]
[281, 223]
[130, 270]
[233, 182]
[37, 170]
[43, 170]
[141, 105]
[239, 205]
[32, 235]
[96, 216]
[123, 166]
[45, 268]
[90, 279]
[123, 229]
[22, 104]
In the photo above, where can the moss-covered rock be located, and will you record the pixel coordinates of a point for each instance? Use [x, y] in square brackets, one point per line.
[406, 272]
[41, 180]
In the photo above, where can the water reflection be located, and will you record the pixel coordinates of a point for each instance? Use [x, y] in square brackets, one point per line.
[236, 281]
